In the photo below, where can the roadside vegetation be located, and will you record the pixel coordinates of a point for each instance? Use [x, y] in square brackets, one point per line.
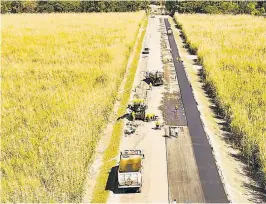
[218, 7]
[35, 6]
[232, 50]
[100, 195]
[60, 77]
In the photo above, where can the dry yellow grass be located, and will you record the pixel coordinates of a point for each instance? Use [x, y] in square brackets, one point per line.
[232, 50]
[100, 195]
[60, 75]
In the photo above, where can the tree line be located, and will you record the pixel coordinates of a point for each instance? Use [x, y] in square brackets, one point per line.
[217, 7]
[212, 7]
[46, 6]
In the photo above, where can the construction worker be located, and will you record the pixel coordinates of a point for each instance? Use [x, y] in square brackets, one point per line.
[152, 116]
[176, 107]
[150, 85]
[157, 124]
[133, 115]
[147, 117]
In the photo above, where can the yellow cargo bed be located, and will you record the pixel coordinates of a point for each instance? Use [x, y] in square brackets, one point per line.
[130, 164]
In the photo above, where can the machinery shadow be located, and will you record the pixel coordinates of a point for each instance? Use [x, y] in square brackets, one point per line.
[112, 183]
[127, 116]
[148, 81]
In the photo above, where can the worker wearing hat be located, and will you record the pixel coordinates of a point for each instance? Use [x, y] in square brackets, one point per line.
[133, 115]
[150, 85]
[157, 124]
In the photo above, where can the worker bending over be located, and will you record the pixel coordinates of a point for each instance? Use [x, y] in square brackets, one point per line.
[133, 115]
[150, 116]
[150, 85]
[157, 125]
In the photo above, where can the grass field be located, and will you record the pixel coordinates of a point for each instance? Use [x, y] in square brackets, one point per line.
[100, 195]
[60, 76]
[232, 50]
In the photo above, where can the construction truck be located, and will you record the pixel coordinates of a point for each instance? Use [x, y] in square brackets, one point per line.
[169, 31]
[139, 107]
[154, 77]
[130, 170]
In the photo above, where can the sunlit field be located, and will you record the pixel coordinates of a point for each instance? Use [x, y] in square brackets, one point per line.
[232, 50]
[60, 76]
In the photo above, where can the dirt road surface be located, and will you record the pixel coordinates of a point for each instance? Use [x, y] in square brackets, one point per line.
[181, 167]
[150, 141]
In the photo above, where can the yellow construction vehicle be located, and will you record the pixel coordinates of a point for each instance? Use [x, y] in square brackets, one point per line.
[139, 107]
[130, 170]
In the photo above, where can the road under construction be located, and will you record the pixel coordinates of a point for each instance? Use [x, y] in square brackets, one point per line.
[180, 168]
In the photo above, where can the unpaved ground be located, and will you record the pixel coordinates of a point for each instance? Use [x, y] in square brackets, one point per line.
[105, 139]
[240, 187]
[150, 141]
[170, 171]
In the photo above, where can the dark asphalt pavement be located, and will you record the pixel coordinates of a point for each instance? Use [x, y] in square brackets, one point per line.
[210, 180]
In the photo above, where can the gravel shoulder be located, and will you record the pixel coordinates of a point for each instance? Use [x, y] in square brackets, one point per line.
[239, 186]
[104, 142]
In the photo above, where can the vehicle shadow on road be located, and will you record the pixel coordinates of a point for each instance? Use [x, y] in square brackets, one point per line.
[127, 116]
[112, 183]
[147, 81]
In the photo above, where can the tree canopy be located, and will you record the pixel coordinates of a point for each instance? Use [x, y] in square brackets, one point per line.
[217, 7]
[46, 6]
[212, 7]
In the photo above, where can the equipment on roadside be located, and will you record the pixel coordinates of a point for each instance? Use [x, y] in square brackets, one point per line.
[130, 128]
[130, 170]
[171, 131]
[169, 31]
[155, 77]
[139, 107]
[146, 50]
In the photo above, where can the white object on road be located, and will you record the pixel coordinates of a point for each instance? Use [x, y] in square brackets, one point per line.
[130, 169]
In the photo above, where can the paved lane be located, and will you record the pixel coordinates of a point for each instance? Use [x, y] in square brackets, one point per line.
[211, 183]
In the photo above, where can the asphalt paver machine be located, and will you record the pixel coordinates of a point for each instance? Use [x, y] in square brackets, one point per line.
[155, 77]
[139, 107]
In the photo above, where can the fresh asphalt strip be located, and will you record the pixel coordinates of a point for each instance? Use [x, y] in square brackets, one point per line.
[210, 180]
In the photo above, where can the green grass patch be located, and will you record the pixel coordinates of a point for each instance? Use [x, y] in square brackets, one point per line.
[100, 195]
